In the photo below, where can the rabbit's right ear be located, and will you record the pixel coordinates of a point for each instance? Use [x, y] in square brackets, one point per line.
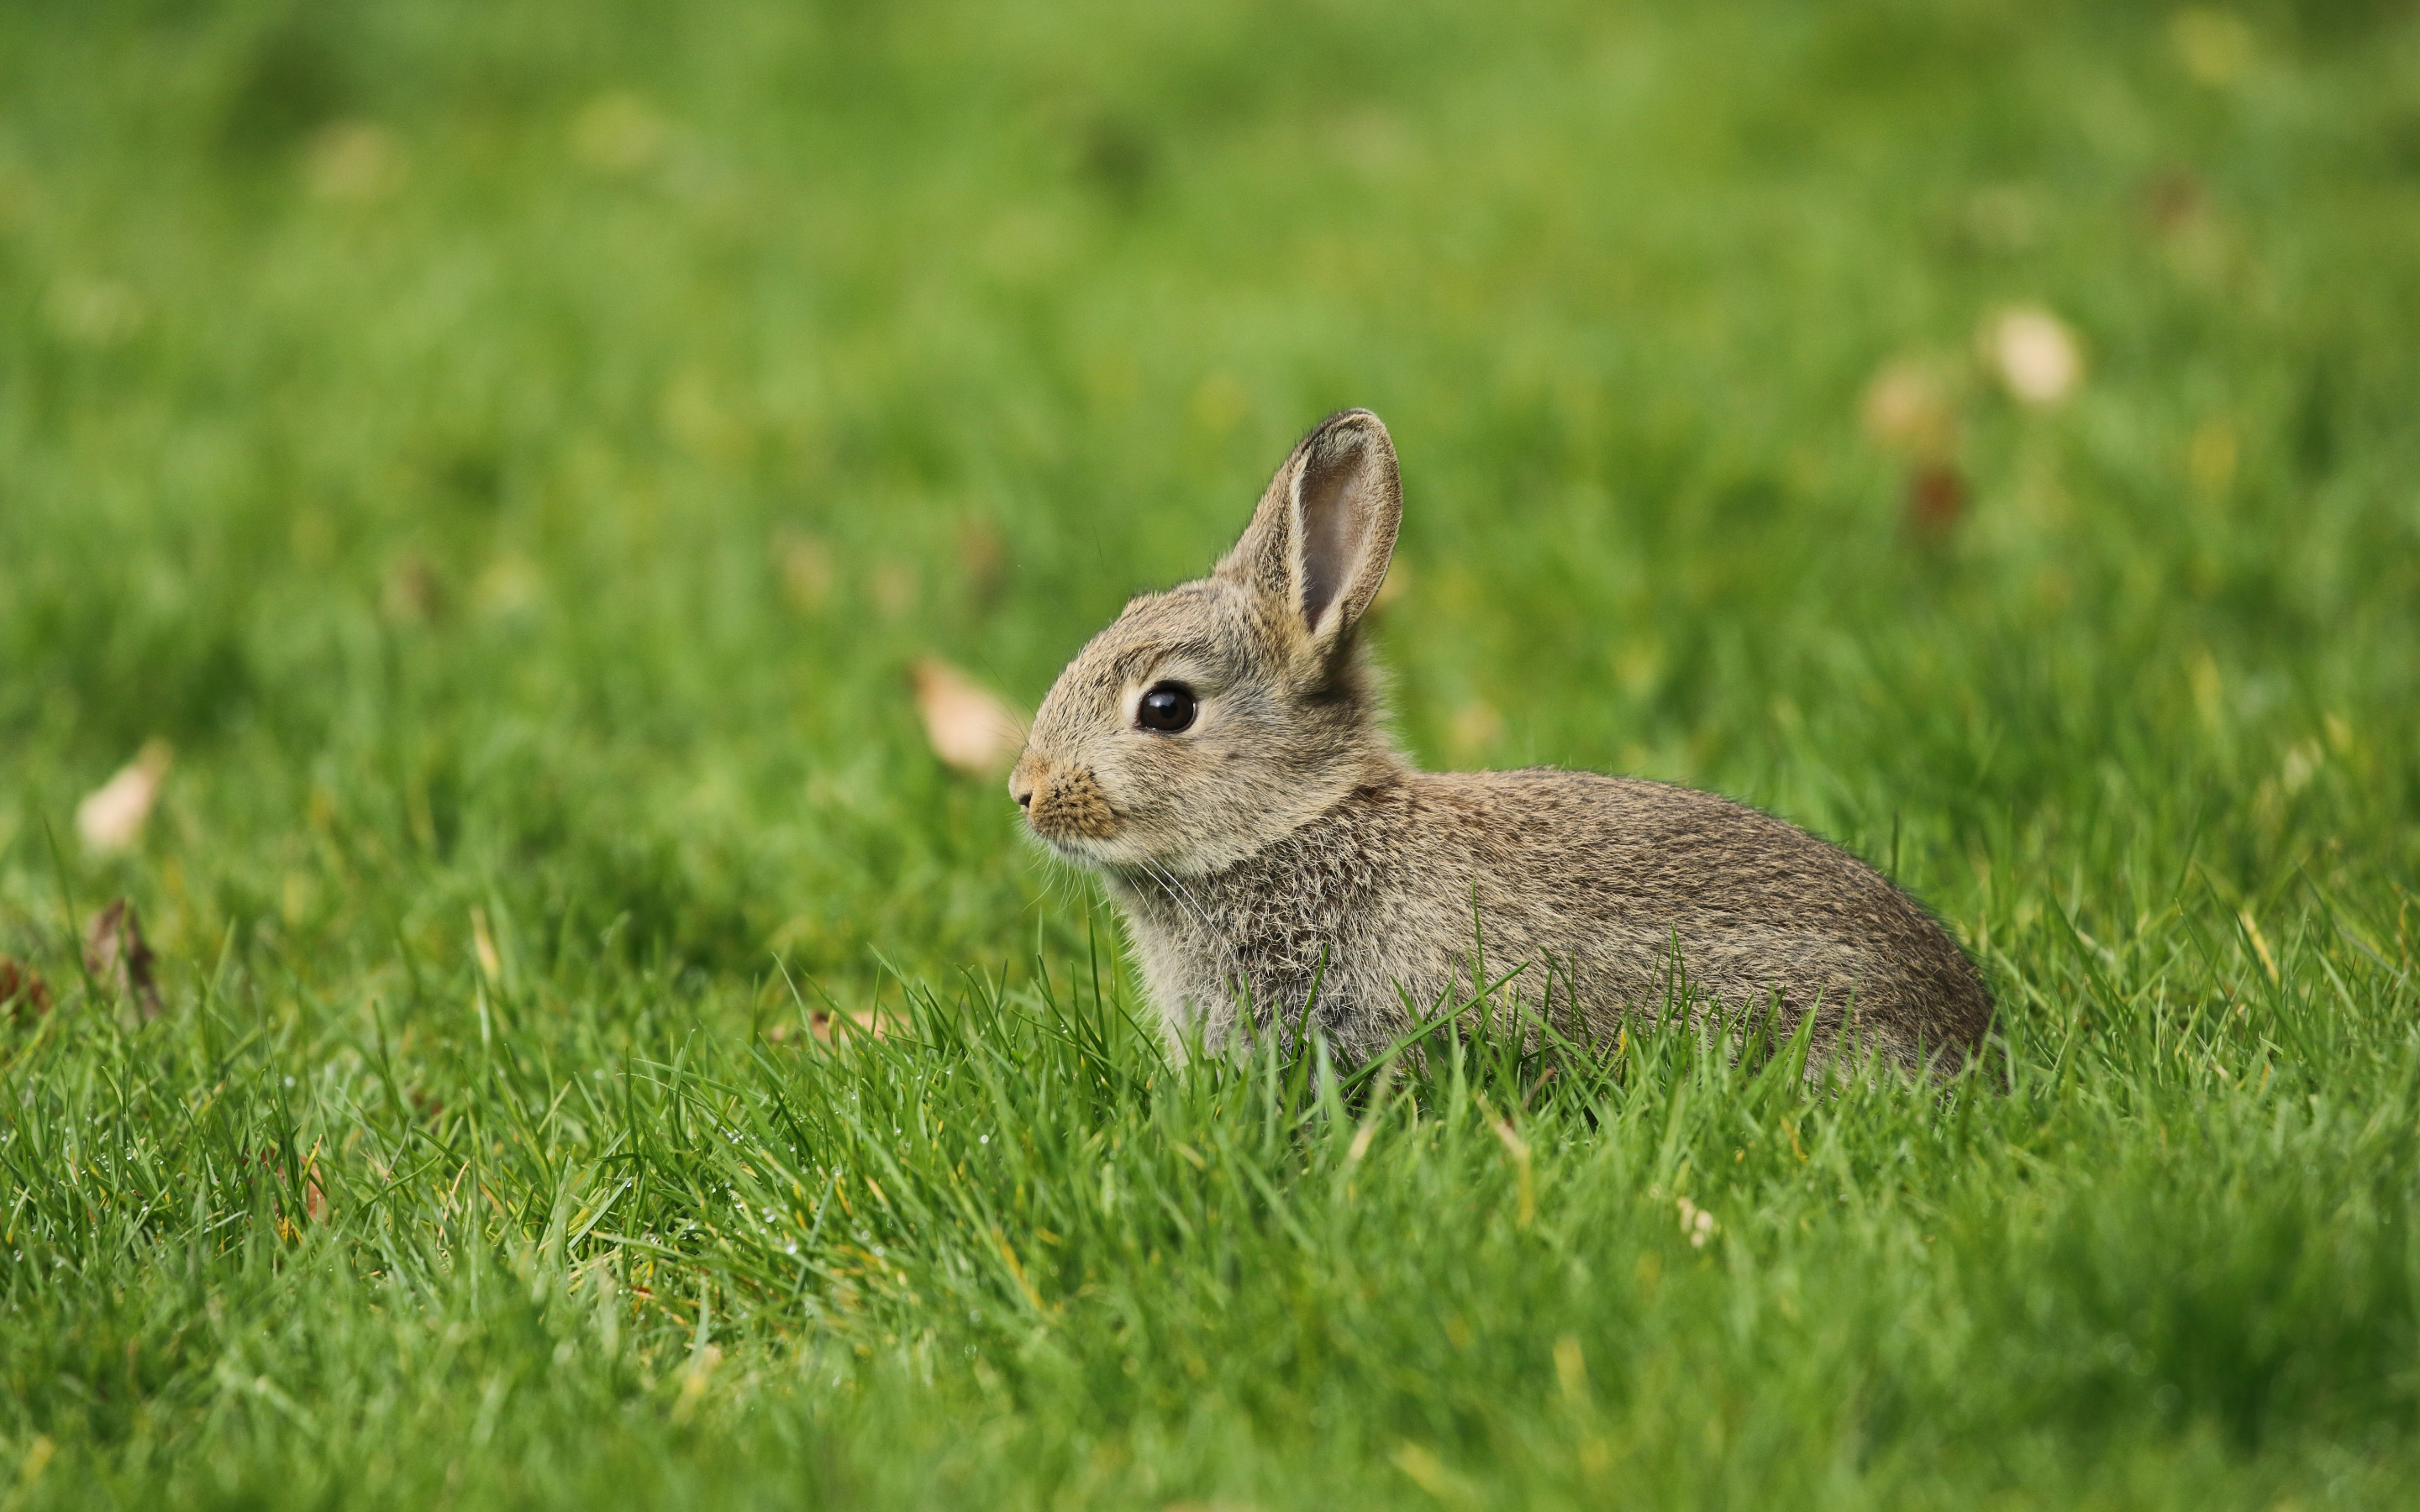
[1325, 530]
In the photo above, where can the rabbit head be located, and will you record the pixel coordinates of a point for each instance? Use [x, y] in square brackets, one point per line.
[1208, 720]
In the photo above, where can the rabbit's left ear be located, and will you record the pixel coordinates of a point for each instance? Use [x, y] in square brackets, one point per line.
[1324, 531]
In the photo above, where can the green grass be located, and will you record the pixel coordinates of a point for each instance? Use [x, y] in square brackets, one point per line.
[514, 453]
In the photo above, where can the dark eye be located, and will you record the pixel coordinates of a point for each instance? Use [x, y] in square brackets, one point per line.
[1167, 708]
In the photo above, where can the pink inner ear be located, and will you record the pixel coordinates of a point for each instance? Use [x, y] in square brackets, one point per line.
[1334, 524]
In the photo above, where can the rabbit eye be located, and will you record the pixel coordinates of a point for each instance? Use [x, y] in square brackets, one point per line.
[1167, 708]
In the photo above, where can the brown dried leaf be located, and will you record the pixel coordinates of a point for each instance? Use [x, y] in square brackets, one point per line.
[115, 954]
[23, 995]
[1936, 497]
[111, 817]
[969, 727]
[827, 1031]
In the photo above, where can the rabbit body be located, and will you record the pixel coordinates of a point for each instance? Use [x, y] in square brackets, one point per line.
[1275, 839]
[1608, 894]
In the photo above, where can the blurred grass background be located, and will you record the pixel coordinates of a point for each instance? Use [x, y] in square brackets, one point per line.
[513, 454]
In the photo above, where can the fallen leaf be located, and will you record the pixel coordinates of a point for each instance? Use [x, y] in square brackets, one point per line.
[822, 1025]
[111, 817]
[115, 955]
[23, 995]
[1906, 407]
[969, 727]
[2034, 353]
[1936, 495]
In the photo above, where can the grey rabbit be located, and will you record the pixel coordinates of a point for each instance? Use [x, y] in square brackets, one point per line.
[1218, 755]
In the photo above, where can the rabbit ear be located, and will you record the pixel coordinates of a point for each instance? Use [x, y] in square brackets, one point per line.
[1324, 531]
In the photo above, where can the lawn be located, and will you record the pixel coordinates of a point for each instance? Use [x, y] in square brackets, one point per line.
[505, 460]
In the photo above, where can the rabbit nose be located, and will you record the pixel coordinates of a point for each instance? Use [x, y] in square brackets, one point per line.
[1024, 781]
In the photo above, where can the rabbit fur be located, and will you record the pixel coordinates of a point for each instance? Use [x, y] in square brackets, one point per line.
[1281, 839]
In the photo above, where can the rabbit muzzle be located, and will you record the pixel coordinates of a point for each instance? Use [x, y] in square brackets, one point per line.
[1062, 803]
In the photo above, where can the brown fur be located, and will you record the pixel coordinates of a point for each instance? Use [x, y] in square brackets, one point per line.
[1282, 838]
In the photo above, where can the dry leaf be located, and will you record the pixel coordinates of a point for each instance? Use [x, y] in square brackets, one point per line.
[1936, 495]
[23, 995]
[111, 817]
[314, 1197]
[971, 730]
[1906, 407]
[115, 954]
[2034, 353]
[821, 1025]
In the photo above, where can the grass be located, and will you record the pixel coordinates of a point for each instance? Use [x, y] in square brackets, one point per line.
[513, 455]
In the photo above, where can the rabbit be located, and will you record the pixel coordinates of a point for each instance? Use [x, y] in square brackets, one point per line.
[1218, 755]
